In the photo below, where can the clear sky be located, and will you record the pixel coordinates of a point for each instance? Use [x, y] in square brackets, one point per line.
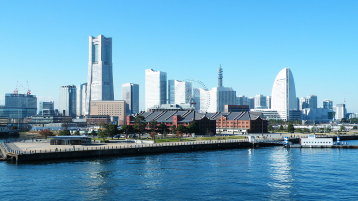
[46, 43]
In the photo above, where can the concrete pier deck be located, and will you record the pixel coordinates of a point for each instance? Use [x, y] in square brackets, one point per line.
[43, 151]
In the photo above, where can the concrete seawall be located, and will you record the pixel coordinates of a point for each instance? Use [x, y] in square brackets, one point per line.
[18, 156]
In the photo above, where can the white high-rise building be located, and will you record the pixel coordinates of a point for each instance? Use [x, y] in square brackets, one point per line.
[284, 99]
[220, 95]
[130, 94]
[81, 106]
[206, 99]
[100, 75]
[183, 92]
[341, 111]
[67, 103]
[155, 88]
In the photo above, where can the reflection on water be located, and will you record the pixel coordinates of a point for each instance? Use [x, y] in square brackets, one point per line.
[241, 174]
[281, 182]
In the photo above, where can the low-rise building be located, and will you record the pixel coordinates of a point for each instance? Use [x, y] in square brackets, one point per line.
[115, 109]
[176, 118]
[98, 120]
[239, 122]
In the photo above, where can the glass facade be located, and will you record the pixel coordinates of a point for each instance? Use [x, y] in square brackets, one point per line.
[95, 54]
[19, 106]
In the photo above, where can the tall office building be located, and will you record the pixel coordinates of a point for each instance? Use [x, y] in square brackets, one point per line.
[328, 104]
[242, 100]
[268, 102]
[171, 92]
[303, 103]
[221, 96]
[100, 75]
[130, 94]
[81, 105]
[19, 106]
[341, 111]
[260, 102]
[67, 103]
[312, 101]
[251, 102]
[155, 88]
[46, 108]
[284, 99]
[183, 92]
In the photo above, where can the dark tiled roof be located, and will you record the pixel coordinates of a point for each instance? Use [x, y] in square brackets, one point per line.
[190, 115]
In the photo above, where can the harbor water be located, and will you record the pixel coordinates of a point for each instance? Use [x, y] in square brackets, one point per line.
[240, 174]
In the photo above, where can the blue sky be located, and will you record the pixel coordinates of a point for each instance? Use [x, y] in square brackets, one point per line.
[46, 43]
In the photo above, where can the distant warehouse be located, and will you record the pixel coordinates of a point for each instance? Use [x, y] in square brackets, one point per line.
[239, 122]
[208, 123]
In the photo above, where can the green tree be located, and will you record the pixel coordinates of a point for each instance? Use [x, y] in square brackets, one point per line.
[182, 129]
[342, 128]
[281, 128]
[193, 127]
[179, 134]
[163, 129]
[173, 129]
[328, 129]
[355, 127]
[152, 135]
[64, 132]
[290, 128]
[102, 134]
[77, 133]
[93, 133]
[111, 130]
[270, 128]
[314, 129]
[140, 124]
[153, 126]
[45, 133]
[127, 129]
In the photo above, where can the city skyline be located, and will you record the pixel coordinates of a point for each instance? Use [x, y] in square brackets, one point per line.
[324, 64]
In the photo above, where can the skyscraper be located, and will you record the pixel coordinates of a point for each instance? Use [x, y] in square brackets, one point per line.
[242, 100]
[284, 99]
[260, 102]
[312, 101]
[155, 88]
[303, 103]
[268, 102]
[100, 76]
[81, 105]
[328, 104]
[221, 96]
[67, 103]
[171, 92]
[341, 111]
[182, 92]
[130, 94]
[19, 106]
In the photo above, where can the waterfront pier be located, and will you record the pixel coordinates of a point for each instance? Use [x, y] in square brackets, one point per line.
[42, 151]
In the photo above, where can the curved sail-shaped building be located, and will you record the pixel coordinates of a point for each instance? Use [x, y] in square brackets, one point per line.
[284, 99]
